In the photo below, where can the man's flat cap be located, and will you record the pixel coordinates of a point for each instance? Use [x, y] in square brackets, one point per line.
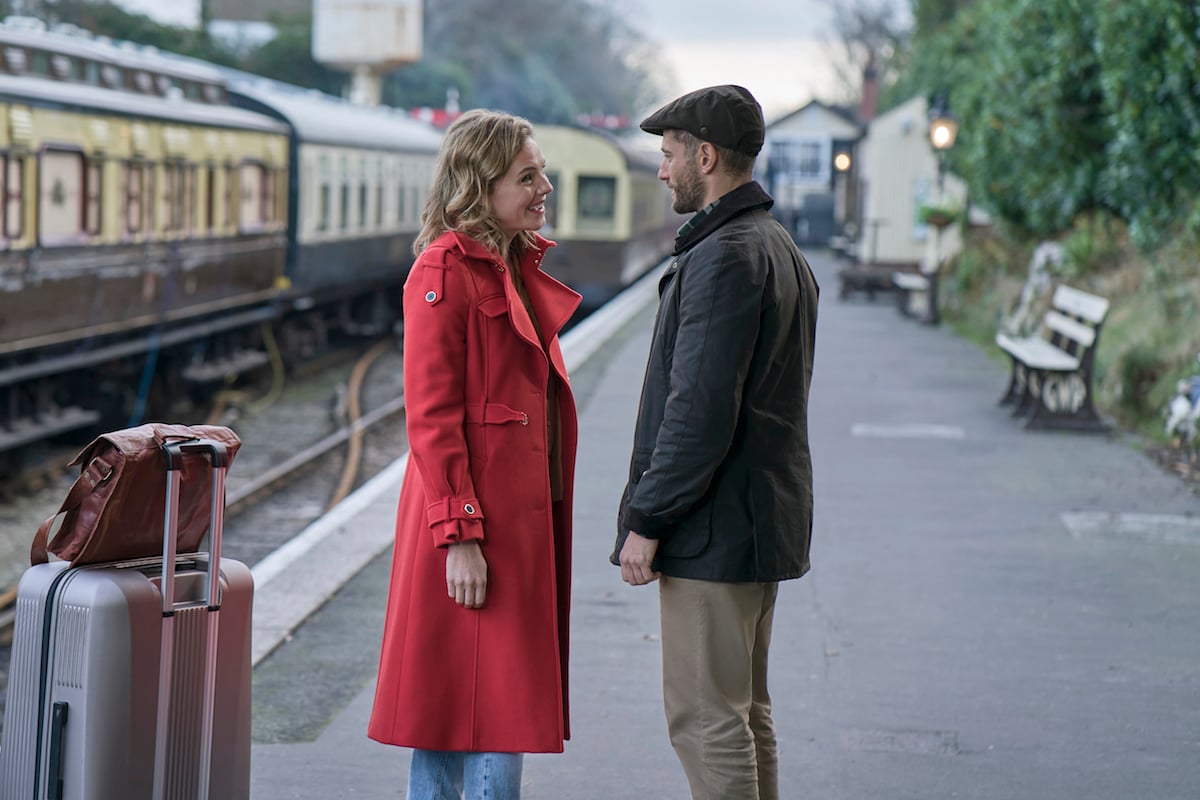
[727, 116]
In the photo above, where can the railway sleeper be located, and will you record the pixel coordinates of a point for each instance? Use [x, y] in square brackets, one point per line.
[219, 369]
[48, 423]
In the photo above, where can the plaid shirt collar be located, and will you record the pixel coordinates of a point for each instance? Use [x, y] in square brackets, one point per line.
[696, 219]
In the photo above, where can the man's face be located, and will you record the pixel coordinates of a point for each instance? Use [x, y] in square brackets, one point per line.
[682, 175]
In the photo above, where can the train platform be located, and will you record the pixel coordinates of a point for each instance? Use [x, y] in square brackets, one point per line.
[991, 613]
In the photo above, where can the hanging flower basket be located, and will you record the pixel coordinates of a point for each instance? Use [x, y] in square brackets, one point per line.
[938, 216]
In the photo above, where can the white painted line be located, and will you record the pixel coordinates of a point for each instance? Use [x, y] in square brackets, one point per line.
[296, 579]
[912, 430]
[1163, 528]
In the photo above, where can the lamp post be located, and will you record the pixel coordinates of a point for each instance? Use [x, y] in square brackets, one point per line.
[943, 130]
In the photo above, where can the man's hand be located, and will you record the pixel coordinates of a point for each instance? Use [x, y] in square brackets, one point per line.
[636, 557]
[466, 574]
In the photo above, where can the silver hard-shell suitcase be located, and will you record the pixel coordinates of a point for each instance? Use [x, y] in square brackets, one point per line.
[131, 680]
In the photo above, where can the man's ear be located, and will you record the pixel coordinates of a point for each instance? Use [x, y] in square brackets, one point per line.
[706, 157]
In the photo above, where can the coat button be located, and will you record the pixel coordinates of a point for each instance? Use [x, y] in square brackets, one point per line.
[468, 508]
[430, 296]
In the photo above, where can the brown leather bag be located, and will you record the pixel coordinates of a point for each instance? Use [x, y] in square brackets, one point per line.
[114, 511]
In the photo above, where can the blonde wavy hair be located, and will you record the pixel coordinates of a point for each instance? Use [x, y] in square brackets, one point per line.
[479, 148]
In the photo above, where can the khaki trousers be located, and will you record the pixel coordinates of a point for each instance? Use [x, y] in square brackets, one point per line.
[715, 638]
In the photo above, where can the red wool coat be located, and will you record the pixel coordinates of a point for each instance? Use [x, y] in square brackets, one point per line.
[475, 378]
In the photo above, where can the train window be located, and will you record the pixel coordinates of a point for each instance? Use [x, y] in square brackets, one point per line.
[162, 83]
[15, 60]
[400, 204]
[230, 195]
[254, 188]
[267, 196]
[143, 81]
[14, 197]
[179, 181]
[93, 189]
[552, 202]
[281, 196]
[362, 204]
[212, 93]
[110, 76]
[210, 198]
[133, 180]
[40, 63]
[379, 205]
[62, 67]
[91, 72]
[324, 205]
[61, 206]
[596, 201]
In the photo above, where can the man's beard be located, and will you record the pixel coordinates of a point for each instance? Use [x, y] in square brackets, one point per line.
[689, 191]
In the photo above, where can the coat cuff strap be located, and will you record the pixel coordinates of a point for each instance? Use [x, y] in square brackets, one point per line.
[455, 519]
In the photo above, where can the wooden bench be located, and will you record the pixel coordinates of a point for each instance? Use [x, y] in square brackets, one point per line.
[1051, 380]
[916, 295]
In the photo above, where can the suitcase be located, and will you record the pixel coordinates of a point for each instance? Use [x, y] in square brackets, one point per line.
[122, 683]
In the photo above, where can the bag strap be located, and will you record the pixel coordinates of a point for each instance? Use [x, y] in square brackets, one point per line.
[93, 475]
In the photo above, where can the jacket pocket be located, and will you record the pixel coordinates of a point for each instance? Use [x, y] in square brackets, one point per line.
[479, 417]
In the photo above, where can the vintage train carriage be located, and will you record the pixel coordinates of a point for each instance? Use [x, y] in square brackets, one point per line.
[358, 181]
[139, 213]
[609, 213]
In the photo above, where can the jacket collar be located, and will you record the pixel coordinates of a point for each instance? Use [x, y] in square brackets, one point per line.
[745, 197]
[473, 248]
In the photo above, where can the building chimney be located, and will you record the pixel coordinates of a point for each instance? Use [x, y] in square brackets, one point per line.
[870, 92]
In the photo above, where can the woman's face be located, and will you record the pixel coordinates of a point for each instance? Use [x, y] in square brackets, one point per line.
[518, 197]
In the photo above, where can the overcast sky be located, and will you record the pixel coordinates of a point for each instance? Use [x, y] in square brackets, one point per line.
[778, 49]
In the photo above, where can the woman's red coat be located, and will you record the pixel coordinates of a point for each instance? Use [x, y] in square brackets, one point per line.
[475, 377]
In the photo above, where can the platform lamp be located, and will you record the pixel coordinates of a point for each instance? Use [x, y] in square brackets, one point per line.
[943, 130]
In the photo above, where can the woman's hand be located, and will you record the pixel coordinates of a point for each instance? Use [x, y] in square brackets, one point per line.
[466, 574]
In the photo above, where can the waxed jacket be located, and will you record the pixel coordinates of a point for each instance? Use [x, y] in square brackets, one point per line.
[721, 472]
[475, 380]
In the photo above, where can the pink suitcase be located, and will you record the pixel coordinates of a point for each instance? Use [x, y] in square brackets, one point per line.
[131, 680]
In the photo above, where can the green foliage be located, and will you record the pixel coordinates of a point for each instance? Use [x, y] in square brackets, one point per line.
[939, 215]
[1092, 246]
[1070, 108]
[521, 62]
[1031, 135]
[1150, 52]
[288, 57]
[106, 19]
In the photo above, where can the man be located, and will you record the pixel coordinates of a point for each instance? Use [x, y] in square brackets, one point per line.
[718, 507]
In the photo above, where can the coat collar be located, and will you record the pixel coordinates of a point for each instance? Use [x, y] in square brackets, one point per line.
[553, 302]
[473, 248]
[745, 197]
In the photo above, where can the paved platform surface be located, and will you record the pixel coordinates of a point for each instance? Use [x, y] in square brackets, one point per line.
[992, 613]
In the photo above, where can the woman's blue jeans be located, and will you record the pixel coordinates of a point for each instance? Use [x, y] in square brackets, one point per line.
[440, 775]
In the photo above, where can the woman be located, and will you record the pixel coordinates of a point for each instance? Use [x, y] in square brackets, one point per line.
[473, 669]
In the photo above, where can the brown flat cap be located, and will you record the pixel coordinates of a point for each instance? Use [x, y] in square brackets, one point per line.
[727, 116]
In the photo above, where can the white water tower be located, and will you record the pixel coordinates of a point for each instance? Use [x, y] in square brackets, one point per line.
[366, 38]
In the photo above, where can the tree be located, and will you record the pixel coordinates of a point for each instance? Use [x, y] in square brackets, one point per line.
[288, 57]
[523, 61]
[1149, 52]
[869, 38]
[106, 19]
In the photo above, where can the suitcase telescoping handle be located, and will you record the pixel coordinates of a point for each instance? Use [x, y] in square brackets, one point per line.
[174, 452]
[219, 456]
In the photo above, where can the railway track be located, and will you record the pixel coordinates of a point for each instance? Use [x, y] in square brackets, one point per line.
[273, 466]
